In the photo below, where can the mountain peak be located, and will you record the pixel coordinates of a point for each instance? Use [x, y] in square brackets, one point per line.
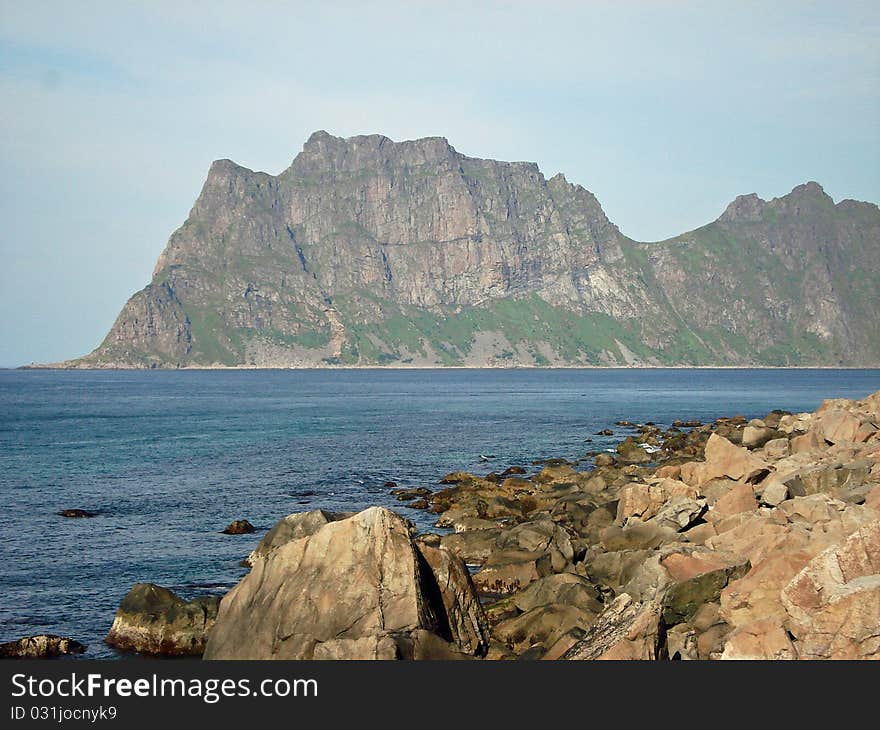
[744, 208]
[809, 189]
[323, 150]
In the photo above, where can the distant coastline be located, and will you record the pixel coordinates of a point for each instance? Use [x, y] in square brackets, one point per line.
[460, 367]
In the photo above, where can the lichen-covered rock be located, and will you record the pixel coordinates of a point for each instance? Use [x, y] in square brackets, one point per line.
[153, 620]
[626, 629]
[509, 571]
[41, 646]
[239, 527]
[697, 579]
[542, 626]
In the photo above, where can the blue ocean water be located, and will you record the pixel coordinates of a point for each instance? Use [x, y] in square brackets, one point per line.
[168, 459]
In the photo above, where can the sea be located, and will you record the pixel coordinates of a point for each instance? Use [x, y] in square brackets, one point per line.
[168, 458]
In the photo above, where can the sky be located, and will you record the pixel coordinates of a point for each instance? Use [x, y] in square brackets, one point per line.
[111, 113]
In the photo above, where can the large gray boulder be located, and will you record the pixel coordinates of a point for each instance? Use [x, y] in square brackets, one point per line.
[293, 527]
[153, 620]
[356, 588]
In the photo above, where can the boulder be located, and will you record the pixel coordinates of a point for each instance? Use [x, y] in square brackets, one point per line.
[356, 583]
[239, 527]
[724, 459]
[154, 620]
[697, 578]
[562, 588]
[774, 493]
[632, 452]
[806, 442]
[539, 536]
[834, 601]
[740, 498]
[758, 594]
[293, 527]
[764, 639]
[756, 434]
[837, 425]
[472, 546]
[626, 629]
[777, 448]
[42, 646]
[543, 625]
[645, 500]
[419, 644]
[509, 571]
[465, 620]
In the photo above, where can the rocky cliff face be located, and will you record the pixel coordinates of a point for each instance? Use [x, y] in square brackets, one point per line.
[366, 251]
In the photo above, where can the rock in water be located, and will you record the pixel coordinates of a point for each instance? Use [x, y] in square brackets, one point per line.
[356, 588]
[153, 620]
[42, 646]
[77, 513]
[239, 527]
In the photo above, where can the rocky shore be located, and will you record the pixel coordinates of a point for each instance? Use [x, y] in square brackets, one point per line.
[731, 540]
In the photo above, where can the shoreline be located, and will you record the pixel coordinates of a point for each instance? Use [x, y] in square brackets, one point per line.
[686, 540]
[449, 367]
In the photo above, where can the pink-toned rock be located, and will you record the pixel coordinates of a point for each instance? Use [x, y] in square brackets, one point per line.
[765, 639]
[873, 499]
[866, 431]
[809, 441]
[626, 629]
[646, 500]
[759, 536]
[757, 595]
[777, 448]
[670, 471]
[834, 602]
[683, 567]
[838, 425]
[740, 498]
[700, 533]
[724, 459]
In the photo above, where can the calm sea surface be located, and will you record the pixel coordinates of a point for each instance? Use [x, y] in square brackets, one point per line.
[170, 458]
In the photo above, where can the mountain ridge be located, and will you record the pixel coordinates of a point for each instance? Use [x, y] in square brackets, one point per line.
[366, 251]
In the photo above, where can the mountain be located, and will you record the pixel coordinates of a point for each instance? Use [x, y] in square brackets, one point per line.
[367, 251]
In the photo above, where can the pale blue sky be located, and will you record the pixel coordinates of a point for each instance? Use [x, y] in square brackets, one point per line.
[112, 112]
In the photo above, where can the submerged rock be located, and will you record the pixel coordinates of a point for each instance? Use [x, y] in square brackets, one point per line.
[154, 620]
[239, 527]
[77, 513]
[41, 646]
